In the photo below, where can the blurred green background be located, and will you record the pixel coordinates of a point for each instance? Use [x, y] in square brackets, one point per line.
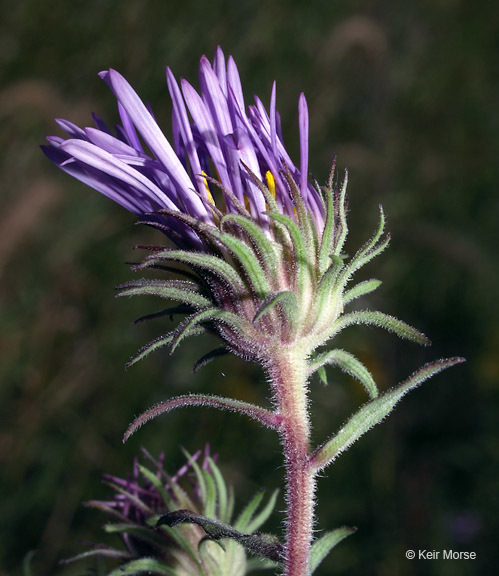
[407, 96]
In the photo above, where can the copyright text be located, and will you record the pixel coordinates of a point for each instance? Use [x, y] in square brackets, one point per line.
[439, 555]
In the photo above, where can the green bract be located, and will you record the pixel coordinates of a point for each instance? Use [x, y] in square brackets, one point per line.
[146, 507]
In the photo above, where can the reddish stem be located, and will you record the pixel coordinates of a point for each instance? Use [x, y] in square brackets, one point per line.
[288, 374]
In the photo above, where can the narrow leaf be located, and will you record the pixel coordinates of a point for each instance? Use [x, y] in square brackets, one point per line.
[185, 328]
[265, 545]
[262, 415]
[299, 247]
[321, 372]
[342, 232]
[381, 320]
[181, 309]
[213, 264]
[143, 566]
[288, 301]
[263, 515]
[209, 357]
[170, 289]
[264, 247]
[327, 233]
[253, 564]
[165, 340]
[221, 491]
[103, 551]
[349, 364]
[323, 545]
[360, 289]
[247, 514]
[254, 272]
[373, 413]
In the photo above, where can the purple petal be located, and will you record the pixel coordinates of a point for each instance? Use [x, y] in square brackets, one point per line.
[207, 130]
[220, 70]
[109, 143]
[129, 129]
[155, 139]
[273, 131]
[71, 129]
[105, 162]
[184, 128]
[303, 126]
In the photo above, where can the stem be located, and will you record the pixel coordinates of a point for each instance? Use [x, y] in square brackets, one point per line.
[289, 381]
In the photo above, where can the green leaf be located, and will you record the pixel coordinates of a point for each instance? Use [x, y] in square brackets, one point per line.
[221, 491]
[323, 545]
[210, 501]
[200, 478]
[212, 264]
[156, 482]
[143, 532]
[299, 246]
[28, 558]
[247, 514]
[263, 515]
[381, 320]
[185, 328]
[165, 340]
[262, 415]
[143, 566]
[373, 413]
[266, 545]
[253, 564]
[140, 504]
[349, 364]
[103, 551]
[180, 290]
[342, 217]
[327, 233]
[321, 372]
[264, 247]
[254, 272]
[304, 217]
[360, 289]
[288, 302]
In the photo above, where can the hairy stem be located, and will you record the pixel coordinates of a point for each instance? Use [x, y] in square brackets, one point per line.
[289, 381]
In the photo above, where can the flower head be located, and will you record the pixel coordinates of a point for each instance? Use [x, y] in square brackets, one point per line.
[147, 505]
[263, 244]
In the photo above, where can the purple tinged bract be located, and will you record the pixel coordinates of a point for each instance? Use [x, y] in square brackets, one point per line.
[217, 145]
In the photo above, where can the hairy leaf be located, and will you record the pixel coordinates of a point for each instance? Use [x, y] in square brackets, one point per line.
[262, 415]
[373, 413]
[262, 244]
[349, 364]
[165, 340]
[266, 545]
[360, 289]
[286, 299]
[263, 515]
[180, 290]
[143, 566]
[209, 357]
[323, 545]
[381, 320]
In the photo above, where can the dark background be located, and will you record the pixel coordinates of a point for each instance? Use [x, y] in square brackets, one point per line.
[407, 96]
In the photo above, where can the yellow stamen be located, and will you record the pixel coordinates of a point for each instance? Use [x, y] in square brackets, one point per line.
[270, 183]
[246, 203]
[208, 193]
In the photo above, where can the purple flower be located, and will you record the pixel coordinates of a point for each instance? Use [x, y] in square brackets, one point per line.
[218, 149]
[264, 246]
[142, 507]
